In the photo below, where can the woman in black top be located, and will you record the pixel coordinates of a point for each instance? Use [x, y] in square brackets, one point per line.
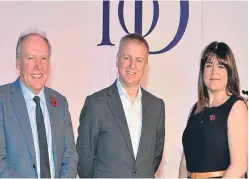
[215, 138]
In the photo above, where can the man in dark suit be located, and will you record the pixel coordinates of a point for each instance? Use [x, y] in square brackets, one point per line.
[36, 135]
[122, 127]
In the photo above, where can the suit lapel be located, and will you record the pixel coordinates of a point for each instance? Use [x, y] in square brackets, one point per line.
[146, 115]
[117, 109]
[52, 119]
[21, 112]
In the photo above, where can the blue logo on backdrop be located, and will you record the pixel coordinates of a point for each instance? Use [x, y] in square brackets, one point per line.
[184, 15]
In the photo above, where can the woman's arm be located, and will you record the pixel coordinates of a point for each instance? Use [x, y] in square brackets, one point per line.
[237, 139]
[183, 173]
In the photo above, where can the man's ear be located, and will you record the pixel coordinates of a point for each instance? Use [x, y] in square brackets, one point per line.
[117, 60]
[146, 66]
[18, 64]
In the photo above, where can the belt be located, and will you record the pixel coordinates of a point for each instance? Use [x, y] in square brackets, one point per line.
[206, 174]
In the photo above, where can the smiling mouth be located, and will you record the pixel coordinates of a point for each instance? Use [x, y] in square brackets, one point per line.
[131, 73]
[214, 79]
[36, 76]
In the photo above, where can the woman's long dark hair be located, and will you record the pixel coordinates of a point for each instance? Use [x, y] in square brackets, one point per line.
[225, 56]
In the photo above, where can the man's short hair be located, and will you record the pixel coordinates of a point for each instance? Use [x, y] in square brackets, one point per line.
[135, 37]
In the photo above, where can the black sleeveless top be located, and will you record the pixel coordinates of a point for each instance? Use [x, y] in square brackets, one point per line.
[205, 141]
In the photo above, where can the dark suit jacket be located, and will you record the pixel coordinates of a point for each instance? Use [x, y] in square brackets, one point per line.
[104, 143]
[17, 151]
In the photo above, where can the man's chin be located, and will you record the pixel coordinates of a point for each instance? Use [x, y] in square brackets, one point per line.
[133, 84]
[37, 89]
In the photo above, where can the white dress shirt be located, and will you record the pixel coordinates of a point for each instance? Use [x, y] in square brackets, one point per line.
[133, 113]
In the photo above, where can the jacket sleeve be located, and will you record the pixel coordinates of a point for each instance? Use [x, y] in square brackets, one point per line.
[87, 139]
[70, 156]
[158, 153]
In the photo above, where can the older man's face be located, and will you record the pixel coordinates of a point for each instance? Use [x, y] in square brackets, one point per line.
[34, 63]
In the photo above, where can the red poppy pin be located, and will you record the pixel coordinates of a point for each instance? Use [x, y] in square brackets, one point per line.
[54, 102]
[212, 117]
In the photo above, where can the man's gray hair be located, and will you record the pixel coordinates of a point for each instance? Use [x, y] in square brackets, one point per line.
[31, 31]
[136, 37]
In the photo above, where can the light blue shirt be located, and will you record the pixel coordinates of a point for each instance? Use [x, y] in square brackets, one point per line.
[133, 114]
[31, 106]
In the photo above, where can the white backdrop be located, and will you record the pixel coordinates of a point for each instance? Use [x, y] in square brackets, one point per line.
[79, 67]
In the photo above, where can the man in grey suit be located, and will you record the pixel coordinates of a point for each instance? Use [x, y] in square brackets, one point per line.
[36, 135]
[122, 127]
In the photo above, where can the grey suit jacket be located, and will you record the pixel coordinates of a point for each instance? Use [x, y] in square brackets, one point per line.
[104, 143]
[17, 152]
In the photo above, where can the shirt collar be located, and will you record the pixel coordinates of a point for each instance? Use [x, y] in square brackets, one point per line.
[28, 95]
[121, 90]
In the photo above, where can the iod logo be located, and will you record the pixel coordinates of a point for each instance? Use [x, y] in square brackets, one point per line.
[184, 15]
